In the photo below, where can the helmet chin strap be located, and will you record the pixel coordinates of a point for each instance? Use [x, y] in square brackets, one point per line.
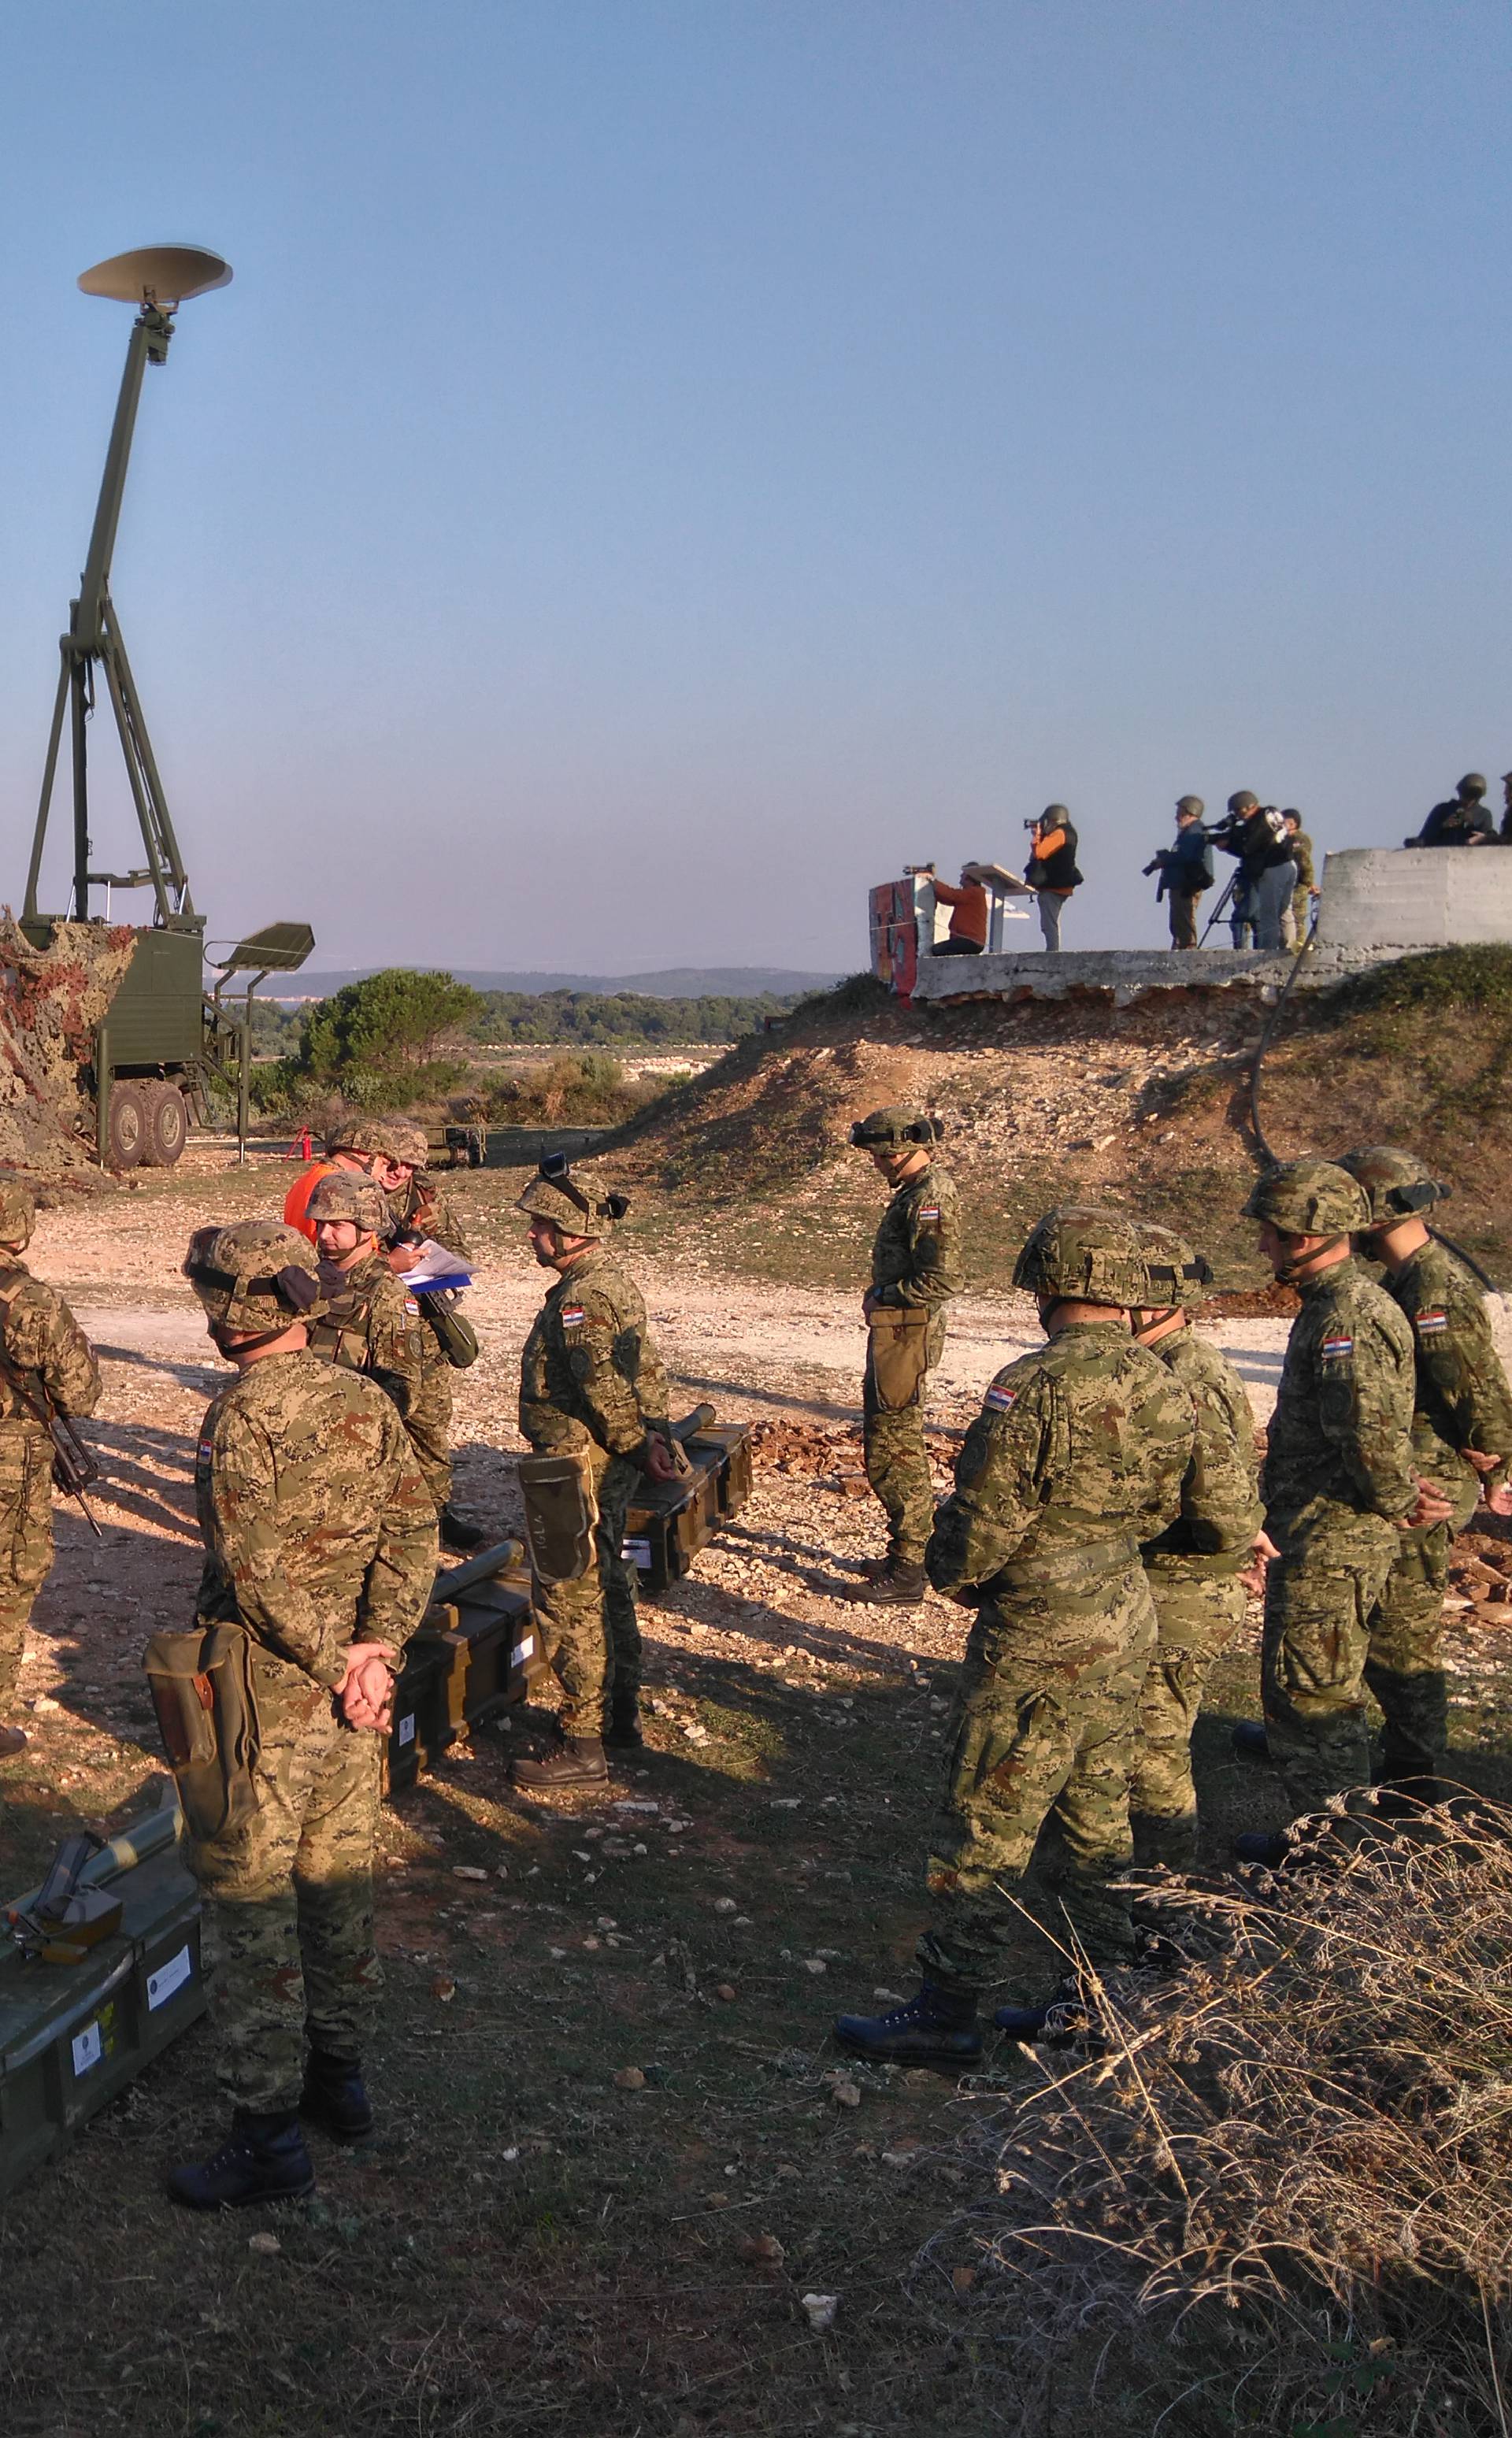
[1291, 1268]
[1153, 1328]
[233, 1342]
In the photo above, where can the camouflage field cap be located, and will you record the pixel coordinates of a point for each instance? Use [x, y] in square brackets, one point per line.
[410, 1144]
[895, 1128]
[1088, 1255]
[1243, 801]
[1178, 1277]
[1309, 1197]
[256, 1276]
[1397, 1183]
[371, 1136]
[18, 1212]
[1192, 805]
[578, 1208]
[347, 1194]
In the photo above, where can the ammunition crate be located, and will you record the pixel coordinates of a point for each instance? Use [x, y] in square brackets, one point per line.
[731, 1440]
[422, 1714]
[72, 2035]
[671, 1521]
[489, 1648]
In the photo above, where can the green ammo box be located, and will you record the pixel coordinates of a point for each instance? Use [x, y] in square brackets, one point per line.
[476, 1650]
[72, 2035]
[671, 1521]
[422, 1716]
[731, 1441]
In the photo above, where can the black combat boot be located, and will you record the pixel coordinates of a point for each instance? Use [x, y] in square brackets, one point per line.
[1251, 1740]
[334, 2097]
[458, 1534]
[1267, 1848]
[623, 1730]
[939, 2028]
[1061, 2020]
[901, 1584]
[11, 1741]
[264, 2161]
[579, 1761]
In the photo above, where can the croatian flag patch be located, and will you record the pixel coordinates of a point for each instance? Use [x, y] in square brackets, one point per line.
[1429, 1321]
[572, 1314]
[1338, 1346]
[1001, 1400]
[929, 1210]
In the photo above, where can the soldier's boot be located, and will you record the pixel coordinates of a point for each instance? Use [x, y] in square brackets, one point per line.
[624, 1732]
[1267, 1847]
[264, 2161]
[335, 2098]
[1028, 2025]
[1252, 1740]
[937, 2028]
[579, 1762]
[11, 1742]
[456, 1533]
[901, 1584]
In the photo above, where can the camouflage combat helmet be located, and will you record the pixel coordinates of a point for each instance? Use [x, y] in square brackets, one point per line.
[18, 1212]
[1090, 1255]
[1178, 1277]
[1309, 1197]
[1243, 801]
[553, 1192]
[895, 1128]
[345, 1193]
[411, 1144]
[257, 1277]
[1192, 805]
[1470, 789]
[371, 1137]
[1397, 1182]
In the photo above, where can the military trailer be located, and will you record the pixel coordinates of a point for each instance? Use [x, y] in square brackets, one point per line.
[166, 1040]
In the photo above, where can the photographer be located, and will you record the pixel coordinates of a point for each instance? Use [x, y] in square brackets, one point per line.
[1051, 870]
[1462, 819]
[1186, 870]
[1267, 873]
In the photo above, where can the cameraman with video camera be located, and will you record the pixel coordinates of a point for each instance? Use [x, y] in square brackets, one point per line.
[1186, 870]
[1267, 873]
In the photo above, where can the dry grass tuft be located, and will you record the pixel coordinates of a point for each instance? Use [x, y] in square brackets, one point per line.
[1274, 2188]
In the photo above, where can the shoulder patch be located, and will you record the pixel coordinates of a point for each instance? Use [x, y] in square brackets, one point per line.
[411, 1305]
[1000, 1400]
[928, 1211]
[1428, 1321]
[571, 1315]
[1338, 1346]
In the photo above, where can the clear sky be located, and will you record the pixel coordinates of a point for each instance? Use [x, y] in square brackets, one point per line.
[664, 464]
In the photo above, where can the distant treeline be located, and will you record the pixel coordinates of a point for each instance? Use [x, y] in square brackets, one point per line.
[598, 1020]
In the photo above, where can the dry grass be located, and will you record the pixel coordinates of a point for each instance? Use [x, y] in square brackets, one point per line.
[1272, 2192]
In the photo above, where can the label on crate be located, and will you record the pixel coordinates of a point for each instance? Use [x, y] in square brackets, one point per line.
[89, 2047]
[521, 1651]
[168, 1977]
[406, 1729]
[639, 1553]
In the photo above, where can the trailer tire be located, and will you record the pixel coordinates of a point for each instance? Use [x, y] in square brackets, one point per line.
[126, 1136]
[167, 1123]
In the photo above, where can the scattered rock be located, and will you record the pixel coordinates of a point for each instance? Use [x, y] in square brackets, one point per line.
[845, 2093]
[442, 1988]
[820, 2310]
[760, 2247]
[266, 2244]
[629, 2078]
[467, 1871]
[962, 2278]
[724, 1904]
[725, 1992]
[814, 1964]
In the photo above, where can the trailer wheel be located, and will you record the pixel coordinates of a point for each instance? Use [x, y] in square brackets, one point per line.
[167, 1123]
[126, 1131]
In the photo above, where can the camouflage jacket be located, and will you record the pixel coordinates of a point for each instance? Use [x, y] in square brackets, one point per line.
[1078, 1456]
[1338, 1441]
[916, 1258]
[1463, 1398]
[40, 1340]
[1220, 1509]
[590, 1369]
[318, 1529]
[374, 1326]
[421, 1205]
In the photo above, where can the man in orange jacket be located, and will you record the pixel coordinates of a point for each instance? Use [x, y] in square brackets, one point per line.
[365, 1145]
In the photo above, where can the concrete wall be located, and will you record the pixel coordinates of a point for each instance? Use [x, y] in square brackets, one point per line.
[1415, 897]
[1122, 975]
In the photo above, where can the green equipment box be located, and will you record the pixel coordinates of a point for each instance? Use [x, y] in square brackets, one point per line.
[669, 1522]
[476, 1650]
[72, 2035]
[731, 1442]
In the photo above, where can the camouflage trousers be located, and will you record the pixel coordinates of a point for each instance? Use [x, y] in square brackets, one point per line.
[898, 1468]
[1197, 1616]
[429, 1420]
[1042, 1729]
[25, 1542]
[590, 1631]
[1404, 1665]
[1320, 1599]
[289, 1910]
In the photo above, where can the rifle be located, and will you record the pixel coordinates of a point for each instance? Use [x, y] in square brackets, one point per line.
[73, 1467]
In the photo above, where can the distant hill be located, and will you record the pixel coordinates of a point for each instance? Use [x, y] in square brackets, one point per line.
[676, 982]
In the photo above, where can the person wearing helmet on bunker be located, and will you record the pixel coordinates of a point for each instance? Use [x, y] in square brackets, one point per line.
[320, 1545]
[1341, 1481]
[1077, 1459]
[45, 1358]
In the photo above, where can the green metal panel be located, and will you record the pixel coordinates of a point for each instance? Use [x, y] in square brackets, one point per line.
[155, 1017]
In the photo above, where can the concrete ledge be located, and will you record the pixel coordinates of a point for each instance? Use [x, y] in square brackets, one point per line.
[1417, 898]
[1122, 975]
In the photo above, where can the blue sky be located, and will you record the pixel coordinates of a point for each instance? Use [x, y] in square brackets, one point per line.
[660, 468]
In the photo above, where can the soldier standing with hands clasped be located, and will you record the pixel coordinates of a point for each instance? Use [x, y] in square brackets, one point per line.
[593, 1391]
[320, 1554]
[45, 1362]
[1078, 1456]
[915, 1271]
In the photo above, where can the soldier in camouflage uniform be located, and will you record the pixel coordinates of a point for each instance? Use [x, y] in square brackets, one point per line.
[370, 1324]
[591, 1380]
[1078, 1458]
[320, 1540]
[417, 1207]
[915, 1266]
[1195, 1568]
[45, 1358]
[1462, 1441]
[1340, 1482]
